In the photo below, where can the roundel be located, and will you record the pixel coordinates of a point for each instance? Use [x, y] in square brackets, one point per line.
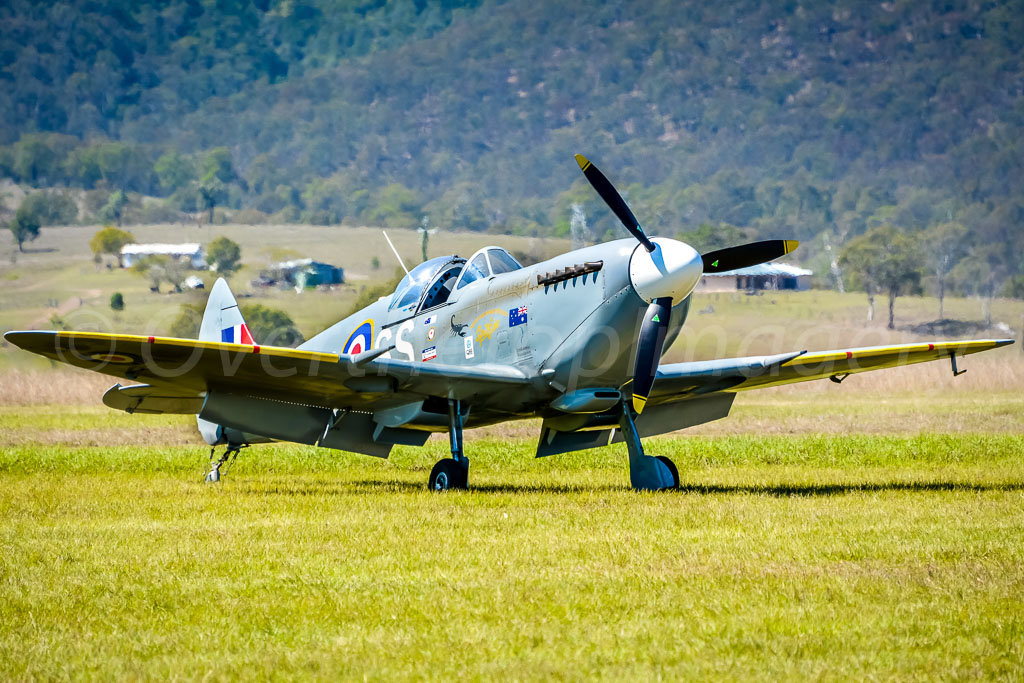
[361, 338]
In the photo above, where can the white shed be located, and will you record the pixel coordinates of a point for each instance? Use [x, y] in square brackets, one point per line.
[190, 253]
[762, 276]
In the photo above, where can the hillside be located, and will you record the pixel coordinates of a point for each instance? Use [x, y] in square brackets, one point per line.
[783, 119]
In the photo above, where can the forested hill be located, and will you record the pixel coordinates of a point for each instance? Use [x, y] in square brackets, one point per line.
[780, 118]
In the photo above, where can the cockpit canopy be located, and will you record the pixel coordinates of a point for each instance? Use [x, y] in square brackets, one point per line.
[436, 272]
[431, 283]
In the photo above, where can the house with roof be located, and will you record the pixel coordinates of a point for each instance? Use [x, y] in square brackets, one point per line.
[770, 276]
[190, 253]
[301, 274]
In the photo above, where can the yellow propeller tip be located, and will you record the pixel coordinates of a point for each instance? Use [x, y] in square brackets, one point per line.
[638, 404]
[582, 161]
[791, 245]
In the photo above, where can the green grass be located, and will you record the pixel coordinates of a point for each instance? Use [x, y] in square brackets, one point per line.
[788, 556]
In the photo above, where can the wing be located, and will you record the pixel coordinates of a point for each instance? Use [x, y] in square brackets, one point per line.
[188, 367]
[679, 380]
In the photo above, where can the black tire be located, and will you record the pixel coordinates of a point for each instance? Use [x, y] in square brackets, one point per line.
[671, 468]
[446, 475]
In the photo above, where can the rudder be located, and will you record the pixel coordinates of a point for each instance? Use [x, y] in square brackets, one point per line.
[222, 321]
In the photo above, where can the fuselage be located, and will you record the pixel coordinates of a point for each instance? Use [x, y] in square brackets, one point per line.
[570, 322]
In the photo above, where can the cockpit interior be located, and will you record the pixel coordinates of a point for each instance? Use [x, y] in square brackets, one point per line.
[432, 282]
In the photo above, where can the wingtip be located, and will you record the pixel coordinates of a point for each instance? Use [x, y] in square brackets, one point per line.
[22, 338]
[1003, 342]
[582, 161]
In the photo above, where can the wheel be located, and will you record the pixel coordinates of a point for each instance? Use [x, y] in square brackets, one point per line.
[671, 468]
[447, 474]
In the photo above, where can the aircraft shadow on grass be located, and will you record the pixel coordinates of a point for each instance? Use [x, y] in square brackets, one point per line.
[321, 487]
[799, 490]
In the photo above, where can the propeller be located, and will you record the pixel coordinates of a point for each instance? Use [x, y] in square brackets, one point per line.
[614, 201]
[658, 279]
[654, 329]
[746, 255]
[649, 347]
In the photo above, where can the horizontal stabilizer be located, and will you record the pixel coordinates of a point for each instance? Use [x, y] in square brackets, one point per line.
[143, 398]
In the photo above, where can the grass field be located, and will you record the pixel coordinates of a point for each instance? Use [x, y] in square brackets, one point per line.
[789, 556]
[836, 534]
[869, 530]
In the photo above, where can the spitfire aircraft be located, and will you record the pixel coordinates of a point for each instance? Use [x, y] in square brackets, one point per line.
[461, 343]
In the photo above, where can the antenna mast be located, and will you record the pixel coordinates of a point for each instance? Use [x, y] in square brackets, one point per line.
[395, 251]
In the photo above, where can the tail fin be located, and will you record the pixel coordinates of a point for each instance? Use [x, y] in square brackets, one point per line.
[222, 320]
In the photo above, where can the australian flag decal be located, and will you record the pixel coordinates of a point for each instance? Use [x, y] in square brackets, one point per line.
[517, 316]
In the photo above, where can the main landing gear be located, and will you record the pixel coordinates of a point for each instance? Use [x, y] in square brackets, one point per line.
[230, 453]
[453, 472]
[646, 472]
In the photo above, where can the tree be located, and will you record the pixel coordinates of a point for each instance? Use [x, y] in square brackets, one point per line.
[886, 261]
[397, 206]
[24, 226]
[981, 272]
[158, 268]
[224, 256]
[50, 208]
[109, 241]
[125, 166]
[34, 160]
[117, 301]
[188, 322]
[212, 193]
[217, 164]
[218, 172]
[425, 232]
[113, 210]
[944, 245]
[270, 325]
[175, 171]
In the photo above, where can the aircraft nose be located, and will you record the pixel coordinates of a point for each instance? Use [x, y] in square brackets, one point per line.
[673, 269]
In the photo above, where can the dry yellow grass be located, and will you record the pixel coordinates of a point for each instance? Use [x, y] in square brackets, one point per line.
[56, 387]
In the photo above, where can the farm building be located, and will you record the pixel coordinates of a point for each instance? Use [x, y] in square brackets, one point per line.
[763, 276]
[301, 274]
[189, 253]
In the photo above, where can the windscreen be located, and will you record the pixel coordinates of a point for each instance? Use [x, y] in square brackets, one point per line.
[502, 261]
[476, 269]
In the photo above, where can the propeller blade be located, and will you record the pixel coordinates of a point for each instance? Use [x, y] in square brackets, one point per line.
[614, 200]
[746, 255]
[648, 349]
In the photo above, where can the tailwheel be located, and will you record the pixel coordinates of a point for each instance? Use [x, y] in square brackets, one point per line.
[448, 474]
[230, 454]
[671, 468]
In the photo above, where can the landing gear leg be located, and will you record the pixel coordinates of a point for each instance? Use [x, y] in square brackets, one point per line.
[646, 473]
[230, 453]
[453, 472]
